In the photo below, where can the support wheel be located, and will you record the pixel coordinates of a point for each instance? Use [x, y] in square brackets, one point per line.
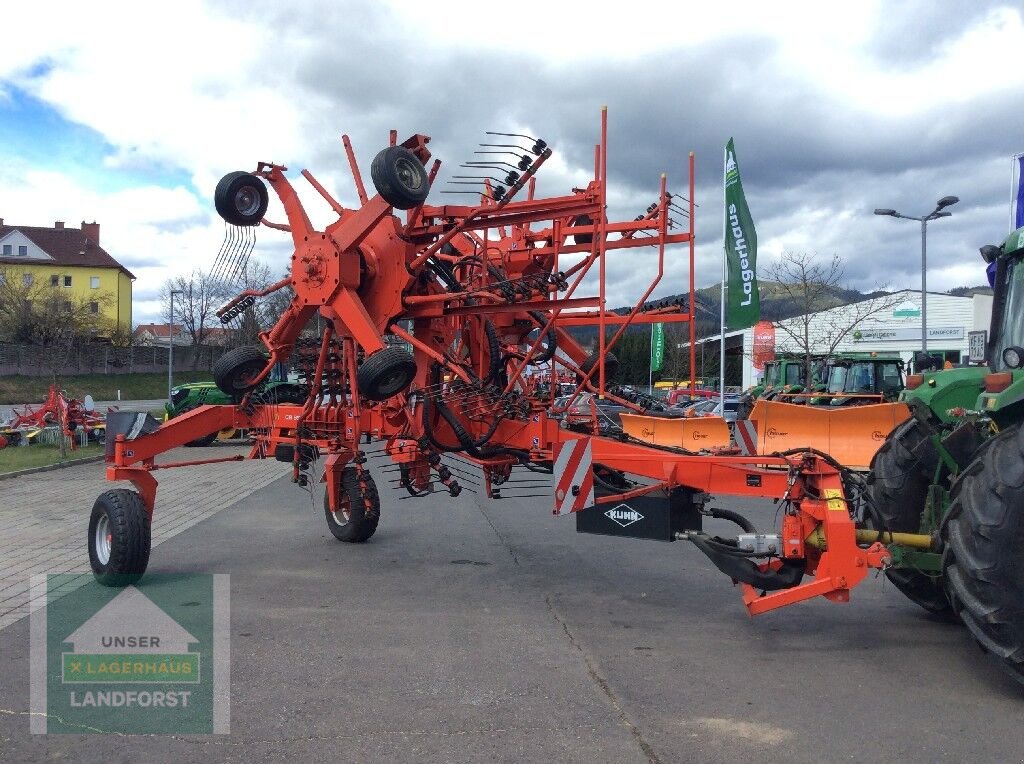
[353, 521]
[385, 373]
[241, 198]
[235, 372]
[984, 536]
[119, 537]
[399, 177]
[899, 483]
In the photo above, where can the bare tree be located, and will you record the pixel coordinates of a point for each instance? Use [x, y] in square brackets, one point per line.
[33, 312]
[264, 311]
[809, 285]
[677, 353]
[194, 307]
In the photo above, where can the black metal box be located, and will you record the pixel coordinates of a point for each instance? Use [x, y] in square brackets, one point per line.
[657, 516]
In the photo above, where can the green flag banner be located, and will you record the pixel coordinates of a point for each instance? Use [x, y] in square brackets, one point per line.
[743, 308]
[657, 346]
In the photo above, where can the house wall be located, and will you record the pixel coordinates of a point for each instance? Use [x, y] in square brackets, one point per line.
[113, 282]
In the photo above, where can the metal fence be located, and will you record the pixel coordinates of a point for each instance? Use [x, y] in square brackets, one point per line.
[34, 361]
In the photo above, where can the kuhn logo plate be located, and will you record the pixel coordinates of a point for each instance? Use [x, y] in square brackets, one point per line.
[623, 515]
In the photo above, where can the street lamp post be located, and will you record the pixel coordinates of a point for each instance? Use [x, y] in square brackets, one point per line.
[938, 212]
[170, 345]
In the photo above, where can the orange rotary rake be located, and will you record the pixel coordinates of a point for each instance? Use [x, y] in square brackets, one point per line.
[447, 330]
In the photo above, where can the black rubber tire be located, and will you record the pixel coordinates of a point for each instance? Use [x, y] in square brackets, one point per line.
[234, 371]
[899, 489]
[984, 539]
[241, 198]
[385, 373]
[355, 523]
[611, 367]
[399, 177]
[128, 529]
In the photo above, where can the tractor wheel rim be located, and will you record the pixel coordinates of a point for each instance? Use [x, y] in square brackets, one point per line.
[343, 514]
[409, 174]
[103, 540]
[247, 200]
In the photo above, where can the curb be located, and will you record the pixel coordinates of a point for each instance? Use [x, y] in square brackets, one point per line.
[49, 467]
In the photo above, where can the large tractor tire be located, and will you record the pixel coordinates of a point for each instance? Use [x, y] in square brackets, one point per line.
[984, 547]
[353, 521]
[899, 483]
[205, 440]
[235, 371]
[119, 537]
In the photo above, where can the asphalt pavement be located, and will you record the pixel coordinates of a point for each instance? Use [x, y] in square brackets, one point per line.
[472, 630]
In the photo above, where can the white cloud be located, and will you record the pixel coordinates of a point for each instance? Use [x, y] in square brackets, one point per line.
[203, 88]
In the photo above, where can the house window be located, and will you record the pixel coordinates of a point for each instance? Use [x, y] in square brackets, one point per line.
[54, 280]
[67, 281]
[3, 277]
[8, 250]
[23, 250]
[94, 282]
[26, 279]
[94, 307]
[65, 306]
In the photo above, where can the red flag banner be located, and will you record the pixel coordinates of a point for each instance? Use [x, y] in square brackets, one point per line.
[764, 343]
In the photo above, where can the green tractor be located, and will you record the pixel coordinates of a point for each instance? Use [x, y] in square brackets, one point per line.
[954, 472]
[191, 395]
[784, 374]
[867, 377]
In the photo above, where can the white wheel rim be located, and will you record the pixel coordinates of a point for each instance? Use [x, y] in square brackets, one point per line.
[341, 516]
[102, 540]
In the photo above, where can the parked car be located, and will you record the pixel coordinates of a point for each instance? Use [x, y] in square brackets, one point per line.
[579, 415]
[713, 407]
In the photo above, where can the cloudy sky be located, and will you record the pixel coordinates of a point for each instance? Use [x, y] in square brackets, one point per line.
[128, 115]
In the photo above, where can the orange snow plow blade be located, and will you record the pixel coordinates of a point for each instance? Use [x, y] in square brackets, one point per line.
[693, 434]
[851, 435]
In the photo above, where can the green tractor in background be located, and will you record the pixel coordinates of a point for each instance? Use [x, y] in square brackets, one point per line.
[191, 395]
[784, 374]
[878, 375]
[954, 471]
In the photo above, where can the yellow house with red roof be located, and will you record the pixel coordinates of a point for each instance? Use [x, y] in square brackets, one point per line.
[70, 260]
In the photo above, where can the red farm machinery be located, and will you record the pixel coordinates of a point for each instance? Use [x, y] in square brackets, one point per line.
[437, 323]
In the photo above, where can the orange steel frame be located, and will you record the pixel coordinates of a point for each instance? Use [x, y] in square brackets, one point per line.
[370, 274]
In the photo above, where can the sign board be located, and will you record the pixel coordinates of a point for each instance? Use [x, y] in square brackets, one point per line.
[906, 310]
[938, 333]
[976, 342]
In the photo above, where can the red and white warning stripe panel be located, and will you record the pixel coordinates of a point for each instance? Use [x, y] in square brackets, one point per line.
[573, 476]
[746, 437]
